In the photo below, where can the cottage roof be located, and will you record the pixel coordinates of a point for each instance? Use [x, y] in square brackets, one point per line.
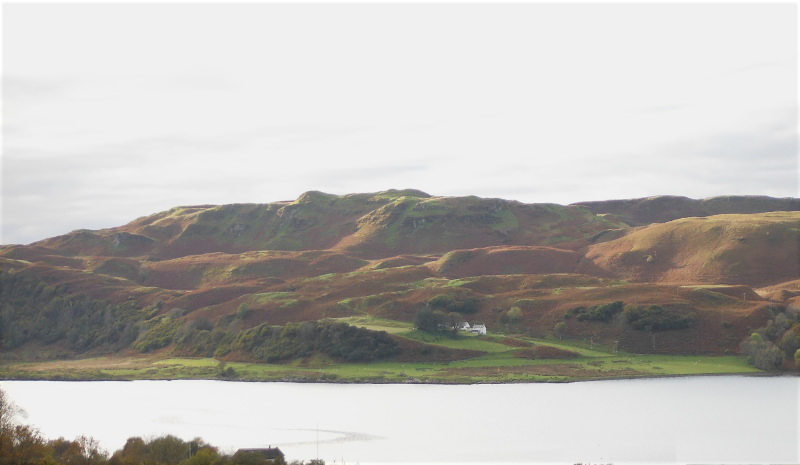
[269, 453]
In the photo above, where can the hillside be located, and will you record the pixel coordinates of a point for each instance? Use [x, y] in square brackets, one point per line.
[755, 250]
[663, 208]
[665, 275]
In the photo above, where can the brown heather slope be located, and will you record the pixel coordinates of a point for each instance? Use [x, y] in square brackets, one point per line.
[390, 253]
[781, 292]
[215, 269]
[377, 225]
[663, 208]
[511, 260]
[755, 250]
[413, 225]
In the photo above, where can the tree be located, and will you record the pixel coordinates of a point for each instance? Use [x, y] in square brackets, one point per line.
[167, 450]
[427, 320]
[242, 311]
[790, 342]
[797, 358]
[762, 354]
[206, 455]
[133, 452]
[769, 359]
[514, 315]
[26, 447]
[561, 330]
[7, 413]
[454, 320]
[82, 451]
[751, 346]
[442, 301]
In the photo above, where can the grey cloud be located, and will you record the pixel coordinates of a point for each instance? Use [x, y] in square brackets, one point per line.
[19, 87]
[753, 66]
[177, 144]
[745, 162]
[166, 144]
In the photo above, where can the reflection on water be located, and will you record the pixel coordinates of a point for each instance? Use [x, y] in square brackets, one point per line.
[330, 436]
[681, 420]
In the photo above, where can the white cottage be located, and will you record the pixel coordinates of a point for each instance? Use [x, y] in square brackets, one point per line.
[479, 329]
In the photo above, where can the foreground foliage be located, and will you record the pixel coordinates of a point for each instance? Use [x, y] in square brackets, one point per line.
[23, 445]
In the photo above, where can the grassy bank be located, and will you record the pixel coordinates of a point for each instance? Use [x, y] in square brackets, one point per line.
[501, 359]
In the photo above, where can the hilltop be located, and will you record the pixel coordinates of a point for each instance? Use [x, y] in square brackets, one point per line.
[662, 275]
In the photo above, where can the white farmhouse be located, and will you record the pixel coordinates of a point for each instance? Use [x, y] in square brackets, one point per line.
[479, 329]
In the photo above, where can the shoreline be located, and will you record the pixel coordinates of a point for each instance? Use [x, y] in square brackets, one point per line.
[299, 380]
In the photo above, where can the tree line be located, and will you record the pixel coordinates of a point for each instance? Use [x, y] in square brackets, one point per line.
[24, 445]
[639, 317]
[31, 310]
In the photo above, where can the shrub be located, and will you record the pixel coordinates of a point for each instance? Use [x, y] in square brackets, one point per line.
[760, 353]
[769, 359]
[790, 342]
[603, 313]
[334, 339]
[459, 303]
[655, 318]
[561, 330]
[442, 301]
[157, 333]
[426, 320]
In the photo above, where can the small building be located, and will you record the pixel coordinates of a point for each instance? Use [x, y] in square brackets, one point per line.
[465, 326]
[269, 454]
[479, 329]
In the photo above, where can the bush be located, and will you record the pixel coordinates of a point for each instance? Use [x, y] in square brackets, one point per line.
[427, 320]
[561, 330]
[460, 303]
[442, 301]
[769, 359]
[295, 340]
[157, 333]
[760, 353]
[603, 313]
[655, 318]
[790, 342]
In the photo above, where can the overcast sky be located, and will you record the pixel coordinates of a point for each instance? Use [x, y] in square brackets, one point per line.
[115, 111]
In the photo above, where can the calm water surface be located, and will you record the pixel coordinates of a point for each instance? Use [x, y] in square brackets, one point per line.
[678, 420]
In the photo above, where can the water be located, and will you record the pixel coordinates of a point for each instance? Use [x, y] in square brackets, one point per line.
[679, 420]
